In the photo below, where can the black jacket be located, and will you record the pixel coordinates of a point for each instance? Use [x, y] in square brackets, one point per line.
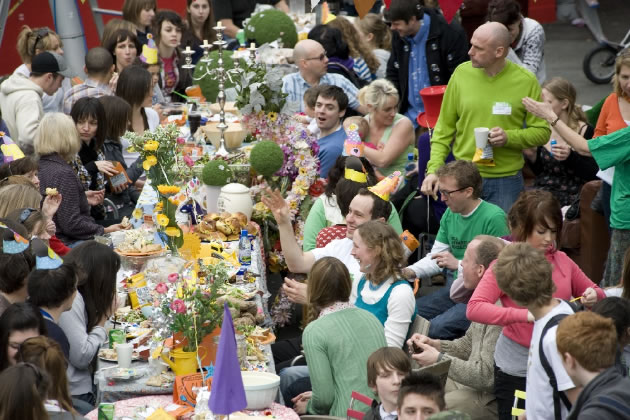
[447, 47]
[604, 397]
[374, 412]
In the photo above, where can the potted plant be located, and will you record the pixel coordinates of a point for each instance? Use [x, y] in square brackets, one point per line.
[215, 174]
[193, 316]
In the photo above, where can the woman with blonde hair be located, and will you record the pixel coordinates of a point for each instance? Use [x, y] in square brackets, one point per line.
[337, 341]
[46, 354]
[559, 169]
[391, 137]
[32, 42]
[382, 290]
[57, 143]
[17, 196]
[365, 62]
[375, 32]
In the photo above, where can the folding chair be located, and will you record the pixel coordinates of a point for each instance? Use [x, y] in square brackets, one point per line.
[518, 395]
[356, 414]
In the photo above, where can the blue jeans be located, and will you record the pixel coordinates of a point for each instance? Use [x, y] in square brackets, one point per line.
[448, 319]
[291, 384]
[503, 191]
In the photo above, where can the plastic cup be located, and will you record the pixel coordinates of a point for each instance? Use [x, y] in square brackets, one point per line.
[481, 137]
[124, 351]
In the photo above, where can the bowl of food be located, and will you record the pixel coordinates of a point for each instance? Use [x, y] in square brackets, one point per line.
[234, 134]
[229, 107]
[260, 389]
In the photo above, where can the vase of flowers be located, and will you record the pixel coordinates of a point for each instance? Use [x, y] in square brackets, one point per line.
[189, 308]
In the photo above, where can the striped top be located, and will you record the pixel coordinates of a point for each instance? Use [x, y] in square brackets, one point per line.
[294, 85]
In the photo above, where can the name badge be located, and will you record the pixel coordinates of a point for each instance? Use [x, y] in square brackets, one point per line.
[502, 108]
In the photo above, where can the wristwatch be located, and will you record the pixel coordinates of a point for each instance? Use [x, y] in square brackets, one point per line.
[553, 124]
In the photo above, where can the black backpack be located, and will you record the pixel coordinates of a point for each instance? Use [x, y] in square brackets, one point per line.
[557, 395]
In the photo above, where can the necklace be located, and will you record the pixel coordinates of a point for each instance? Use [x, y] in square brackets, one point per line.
[374, 288]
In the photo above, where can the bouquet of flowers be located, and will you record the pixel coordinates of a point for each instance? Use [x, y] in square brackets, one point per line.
[190, 308]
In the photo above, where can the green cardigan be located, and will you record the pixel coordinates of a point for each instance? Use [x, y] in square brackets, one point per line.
[337, 347]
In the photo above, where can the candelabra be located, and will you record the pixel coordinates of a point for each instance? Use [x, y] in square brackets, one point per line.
[222, 126]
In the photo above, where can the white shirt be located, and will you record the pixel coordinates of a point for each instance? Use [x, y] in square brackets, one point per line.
[539, 403]
[401, 308]
[341, 249]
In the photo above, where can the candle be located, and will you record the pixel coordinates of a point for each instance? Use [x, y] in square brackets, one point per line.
[252, 46]
[205, 43]
[188, 50]
[219, 25]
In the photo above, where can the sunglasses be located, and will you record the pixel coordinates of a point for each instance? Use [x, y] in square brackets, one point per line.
[41, 33]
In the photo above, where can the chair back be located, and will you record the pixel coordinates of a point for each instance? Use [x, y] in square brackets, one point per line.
[329, 234]
[356, 414]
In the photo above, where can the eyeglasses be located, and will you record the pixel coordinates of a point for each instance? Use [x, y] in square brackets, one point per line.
[447, 194]
[41, 33]
[25, 214]
[321, 57]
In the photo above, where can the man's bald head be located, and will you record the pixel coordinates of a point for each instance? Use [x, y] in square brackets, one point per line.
[496, 33]
[304, 49]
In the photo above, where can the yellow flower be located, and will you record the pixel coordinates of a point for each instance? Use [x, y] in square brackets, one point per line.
[173, 201]
[151, 146]
[273, 116]
[137, 213]
[149, 162]
[172, 231]
[162, 220]
[168, 189]
[159, 206]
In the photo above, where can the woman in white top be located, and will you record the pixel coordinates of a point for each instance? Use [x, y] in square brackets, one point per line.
[377, 34]
[136, 87]
[382, 290]
[93, 304]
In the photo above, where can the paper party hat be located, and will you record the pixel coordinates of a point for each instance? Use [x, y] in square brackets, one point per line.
[45, 257]
[12, 243]
[353, 145]
[149, 51]
[386, 186]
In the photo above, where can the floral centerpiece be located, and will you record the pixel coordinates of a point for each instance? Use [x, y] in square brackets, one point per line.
[189, 308]
[165, 166]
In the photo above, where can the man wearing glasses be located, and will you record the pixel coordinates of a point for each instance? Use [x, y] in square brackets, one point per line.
[21, 97]
[467, 216]
[310, 58]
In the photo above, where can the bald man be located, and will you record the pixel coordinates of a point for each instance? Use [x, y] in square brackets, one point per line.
[487, 92]
[310, 58]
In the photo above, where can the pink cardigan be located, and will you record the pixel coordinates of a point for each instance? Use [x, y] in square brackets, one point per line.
[570, 282]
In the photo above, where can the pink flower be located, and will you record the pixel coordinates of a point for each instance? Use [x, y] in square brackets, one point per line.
[161, 288]
[173, 277]
[181, 140]
[188, 161]
[178, 306]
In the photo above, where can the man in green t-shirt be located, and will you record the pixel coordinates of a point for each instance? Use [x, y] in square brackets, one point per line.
[487, 92]
[467, 216]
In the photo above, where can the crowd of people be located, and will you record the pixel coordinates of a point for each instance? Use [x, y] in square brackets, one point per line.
[514, 313]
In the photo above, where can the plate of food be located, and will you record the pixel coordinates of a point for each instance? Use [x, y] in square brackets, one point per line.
[122, 374]
[109, 355]
[138, 244]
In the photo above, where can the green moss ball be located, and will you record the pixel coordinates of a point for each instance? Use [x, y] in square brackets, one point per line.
[266, 158]
[269, 25]
[216, 172]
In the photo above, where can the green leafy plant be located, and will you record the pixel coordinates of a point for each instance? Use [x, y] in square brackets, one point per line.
[193, 309]
[270, 25]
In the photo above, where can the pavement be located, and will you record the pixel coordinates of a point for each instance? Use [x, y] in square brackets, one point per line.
[567, 45]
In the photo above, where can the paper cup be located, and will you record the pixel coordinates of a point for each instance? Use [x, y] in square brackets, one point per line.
[124, 352]
[481, 137]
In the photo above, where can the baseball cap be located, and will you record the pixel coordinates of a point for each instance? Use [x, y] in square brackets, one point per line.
[50, 62]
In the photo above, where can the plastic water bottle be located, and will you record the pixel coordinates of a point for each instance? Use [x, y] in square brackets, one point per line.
[409, 167]
[244, 249]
